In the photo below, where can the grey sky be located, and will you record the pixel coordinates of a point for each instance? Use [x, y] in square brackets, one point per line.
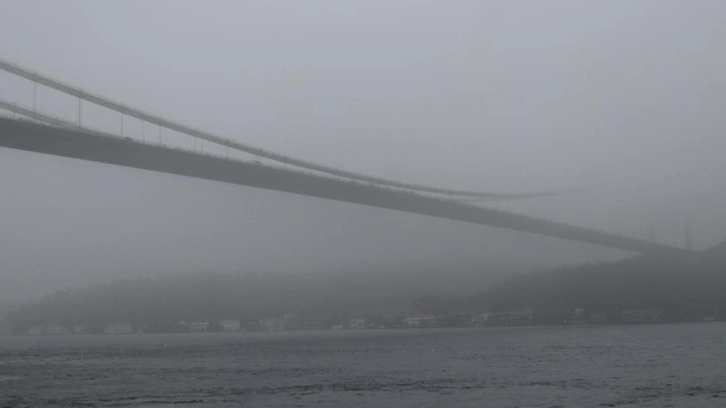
[488, 95]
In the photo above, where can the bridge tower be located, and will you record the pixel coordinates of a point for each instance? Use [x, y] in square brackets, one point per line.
[687, 232]
[651, 233]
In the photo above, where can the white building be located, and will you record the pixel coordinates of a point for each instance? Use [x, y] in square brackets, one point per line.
[36, 330]
[292, 321]
[420, 321]
[55, 328]
[118, 328]
[199, 326]
[357, 323]
[652, 315]
[230, 325]
[482, 318]
[273, 323]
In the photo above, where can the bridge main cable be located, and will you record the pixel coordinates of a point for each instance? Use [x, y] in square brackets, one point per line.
[187, 130]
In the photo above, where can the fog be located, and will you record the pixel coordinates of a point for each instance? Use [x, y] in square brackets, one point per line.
[624, 97]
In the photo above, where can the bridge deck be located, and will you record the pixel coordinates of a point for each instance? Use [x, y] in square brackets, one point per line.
[83, 145]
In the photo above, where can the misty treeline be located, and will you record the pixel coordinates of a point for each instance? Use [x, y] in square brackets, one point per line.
[160, 303]
[681, 287]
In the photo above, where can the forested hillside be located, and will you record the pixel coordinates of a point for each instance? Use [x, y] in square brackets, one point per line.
[159, 303]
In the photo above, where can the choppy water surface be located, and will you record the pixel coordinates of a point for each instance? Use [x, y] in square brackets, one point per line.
[621, 366]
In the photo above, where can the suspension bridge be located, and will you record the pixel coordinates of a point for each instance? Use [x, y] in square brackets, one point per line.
[35, 131]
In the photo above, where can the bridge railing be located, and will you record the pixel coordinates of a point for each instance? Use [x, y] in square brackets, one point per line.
[31, 116]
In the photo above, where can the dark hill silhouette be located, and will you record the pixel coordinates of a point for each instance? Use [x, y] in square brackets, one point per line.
[685, 288]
